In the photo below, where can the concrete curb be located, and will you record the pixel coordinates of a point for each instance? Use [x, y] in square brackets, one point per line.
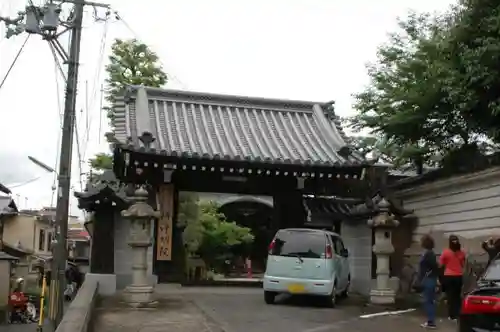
[78, 316]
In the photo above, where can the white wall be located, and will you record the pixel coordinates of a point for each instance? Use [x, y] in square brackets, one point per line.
[358, 240]
[467, 206]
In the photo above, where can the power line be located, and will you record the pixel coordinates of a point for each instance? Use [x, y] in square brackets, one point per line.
[96, 83]
[23, 183]
[60, 111]
[14, 62]
[78, 152]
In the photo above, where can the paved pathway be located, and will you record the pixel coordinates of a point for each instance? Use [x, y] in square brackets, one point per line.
[21, 327]
[171, 314]
[244, 310]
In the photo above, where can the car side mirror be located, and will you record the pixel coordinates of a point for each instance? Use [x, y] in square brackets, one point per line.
[344, 253]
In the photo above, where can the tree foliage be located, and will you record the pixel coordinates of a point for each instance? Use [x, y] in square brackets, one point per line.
[435, 86]
[131, 63]
[208, 233]
[385, 151]
[101, 161]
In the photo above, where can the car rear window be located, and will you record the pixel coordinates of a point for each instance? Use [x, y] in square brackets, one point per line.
[299, 243]
[493, 271]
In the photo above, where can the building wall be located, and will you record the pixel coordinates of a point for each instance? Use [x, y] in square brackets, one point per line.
[4, 283]
[467, 206]
[26, 231]
[20, 230]
[358, 240]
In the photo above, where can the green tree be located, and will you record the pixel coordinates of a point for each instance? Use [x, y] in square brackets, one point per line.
[402, 157]
[212, 236]
[473, 49]
[416, 100]
[130, 63]
[101, 161]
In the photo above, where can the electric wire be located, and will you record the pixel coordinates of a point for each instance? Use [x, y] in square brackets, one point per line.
[14, 61]
[24, 183]
[100, 117]
[57, 63]
[91, 103]
[78, 151]
[59, 137]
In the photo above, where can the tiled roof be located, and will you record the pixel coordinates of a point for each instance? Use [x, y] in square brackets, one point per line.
[101, 182]
[201, 125]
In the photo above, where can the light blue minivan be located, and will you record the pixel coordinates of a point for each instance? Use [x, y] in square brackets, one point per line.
[307, 262]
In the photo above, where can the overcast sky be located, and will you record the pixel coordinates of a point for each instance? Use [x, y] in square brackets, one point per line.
[297, 49]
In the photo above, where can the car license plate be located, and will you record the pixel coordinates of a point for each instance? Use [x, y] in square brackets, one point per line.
[296, 288]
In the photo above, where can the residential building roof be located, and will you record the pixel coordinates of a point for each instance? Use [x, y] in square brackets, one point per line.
[6, 257]
[8, 206]
[78, 235]
[4, 189]
[211, 126]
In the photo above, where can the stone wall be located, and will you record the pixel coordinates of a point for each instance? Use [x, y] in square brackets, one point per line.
[467, 206]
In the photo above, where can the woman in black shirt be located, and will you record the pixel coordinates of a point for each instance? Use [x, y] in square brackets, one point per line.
[428, 275]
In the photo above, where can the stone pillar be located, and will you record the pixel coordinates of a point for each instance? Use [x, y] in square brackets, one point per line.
[383, 224]
[141, 215]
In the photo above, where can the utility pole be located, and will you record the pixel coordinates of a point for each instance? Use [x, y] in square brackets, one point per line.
[45, 21]
[66, 154]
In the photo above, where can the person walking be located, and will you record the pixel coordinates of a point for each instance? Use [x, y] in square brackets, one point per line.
[492, 248]
[428, 273]
[452, 261]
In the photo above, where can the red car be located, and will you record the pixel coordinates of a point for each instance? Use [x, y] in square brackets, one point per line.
[481, 307]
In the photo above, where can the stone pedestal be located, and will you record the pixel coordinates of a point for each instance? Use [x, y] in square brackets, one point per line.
[383, 224]
[140, 293]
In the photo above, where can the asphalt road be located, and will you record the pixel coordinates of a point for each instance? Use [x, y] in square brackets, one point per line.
[245, 311]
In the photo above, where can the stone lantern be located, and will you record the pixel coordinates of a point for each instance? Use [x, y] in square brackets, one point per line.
[141, 215]
[383, 224]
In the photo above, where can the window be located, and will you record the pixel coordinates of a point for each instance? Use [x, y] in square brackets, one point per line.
[493, 271]
[339, 244]
[299, 243]
[50, 238]
[41, 240]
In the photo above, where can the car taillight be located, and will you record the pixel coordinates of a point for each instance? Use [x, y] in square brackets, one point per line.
[271, 247]
[328, 252]
[477, 304]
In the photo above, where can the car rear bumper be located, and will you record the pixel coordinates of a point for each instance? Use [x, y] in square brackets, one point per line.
[479, 323]
[297, 286]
